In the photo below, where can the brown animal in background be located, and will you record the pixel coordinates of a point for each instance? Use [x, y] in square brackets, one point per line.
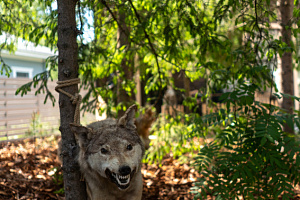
[143, 124]
[110, 158]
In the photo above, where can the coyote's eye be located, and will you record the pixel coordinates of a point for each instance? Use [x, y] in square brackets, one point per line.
[103, 150]
[129, 147]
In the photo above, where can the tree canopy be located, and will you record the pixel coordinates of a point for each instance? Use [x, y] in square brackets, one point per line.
[221, 41]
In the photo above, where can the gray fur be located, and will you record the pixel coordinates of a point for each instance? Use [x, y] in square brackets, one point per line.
[122, 147]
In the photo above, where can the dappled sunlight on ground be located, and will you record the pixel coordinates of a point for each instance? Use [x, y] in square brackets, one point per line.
[30, 170]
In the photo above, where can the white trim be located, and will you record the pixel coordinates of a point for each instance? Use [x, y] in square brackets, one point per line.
[26, 55]
[21, 69]
[26, 50]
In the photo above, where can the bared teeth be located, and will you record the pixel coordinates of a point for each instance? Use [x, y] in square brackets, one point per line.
[122, 180]
[123, 177]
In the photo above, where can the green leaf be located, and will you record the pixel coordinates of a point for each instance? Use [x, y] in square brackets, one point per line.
[270, 138]
[263, 141]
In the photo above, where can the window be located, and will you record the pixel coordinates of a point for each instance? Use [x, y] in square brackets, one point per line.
[22, 72]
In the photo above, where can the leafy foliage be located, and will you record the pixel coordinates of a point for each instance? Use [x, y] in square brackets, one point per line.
[172, 135]
[229, 43]
[201, 38]
[37, 128]
[43, 78]
[19, 22]
[252, 155]
[161, 41]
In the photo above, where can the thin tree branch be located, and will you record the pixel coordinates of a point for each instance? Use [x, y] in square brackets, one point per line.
[80, 18]
[147, 37]
[145, 32]
[115, 18]
[152, 49]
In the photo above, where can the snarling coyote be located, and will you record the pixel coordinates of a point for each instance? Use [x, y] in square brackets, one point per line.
[110, 158]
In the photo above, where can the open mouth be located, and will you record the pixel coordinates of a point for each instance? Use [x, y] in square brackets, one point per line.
[122, 182]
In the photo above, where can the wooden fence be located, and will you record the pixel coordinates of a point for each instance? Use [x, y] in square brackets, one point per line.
[28, 115]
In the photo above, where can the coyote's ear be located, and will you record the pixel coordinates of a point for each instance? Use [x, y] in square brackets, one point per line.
[127, 120]
[82, 134]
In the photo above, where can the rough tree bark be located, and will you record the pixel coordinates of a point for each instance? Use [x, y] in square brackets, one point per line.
[68, 69]
[287, 77]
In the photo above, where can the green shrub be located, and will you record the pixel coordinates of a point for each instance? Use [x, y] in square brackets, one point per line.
[252, 157]
[171, 136]
[36, 126]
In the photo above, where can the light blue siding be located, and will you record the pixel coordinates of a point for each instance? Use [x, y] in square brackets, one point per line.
[37, 67]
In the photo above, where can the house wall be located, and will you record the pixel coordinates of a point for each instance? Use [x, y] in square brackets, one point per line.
[36, 67]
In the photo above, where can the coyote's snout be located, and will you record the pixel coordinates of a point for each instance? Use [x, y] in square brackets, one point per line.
[121, 179]
[110, 158]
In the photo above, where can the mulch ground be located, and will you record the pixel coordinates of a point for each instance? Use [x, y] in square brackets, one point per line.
[29, 170]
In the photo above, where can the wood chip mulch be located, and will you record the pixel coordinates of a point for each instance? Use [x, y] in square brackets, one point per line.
[29, 169]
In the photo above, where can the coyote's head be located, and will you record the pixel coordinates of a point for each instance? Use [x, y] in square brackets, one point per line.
[111, 149]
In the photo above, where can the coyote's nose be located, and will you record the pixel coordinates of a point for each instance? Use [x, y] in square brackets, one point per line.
[124, 170]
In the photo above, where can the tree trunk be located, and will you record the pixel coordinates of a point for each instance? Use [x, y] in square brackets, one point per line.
[68, 69]
[186, 83]
[126, 64]
[287, 84]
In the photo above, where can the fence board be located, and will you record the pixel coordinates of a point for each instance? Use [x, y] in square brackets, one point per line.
[17, 113]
